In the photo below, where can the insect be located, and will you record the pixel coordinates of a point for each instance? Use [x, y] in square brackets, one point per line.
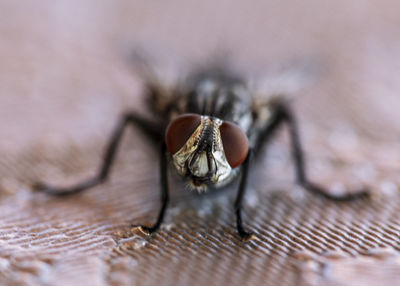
[210, 127]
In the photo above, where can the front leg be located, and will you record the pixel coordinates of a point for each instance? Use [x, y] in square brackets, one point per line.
[239, 199]
[151, 130]
[164, 193]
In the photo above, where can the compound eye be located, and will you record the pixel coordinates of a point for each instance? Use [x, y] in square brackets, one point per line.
[180, 130]
[235, 142]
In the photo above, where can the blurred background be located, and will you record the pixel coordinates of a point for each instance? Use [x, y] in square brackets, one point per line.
[66, 75]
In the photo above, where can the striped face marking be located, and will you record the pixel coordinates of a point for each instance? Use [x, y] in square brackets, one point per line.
[206, 149]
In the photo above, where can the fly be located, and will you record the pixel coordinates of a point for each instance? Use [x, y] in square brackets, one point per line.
[210, 128]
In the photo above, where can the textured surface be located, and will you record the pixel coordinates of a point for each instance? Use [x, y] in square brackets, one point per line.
[65, 78]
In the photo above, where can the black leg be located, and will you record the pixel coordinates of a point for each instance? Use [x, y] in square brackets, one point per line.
[108, 158]
[283, 114]
[164, 193]
[239, 198]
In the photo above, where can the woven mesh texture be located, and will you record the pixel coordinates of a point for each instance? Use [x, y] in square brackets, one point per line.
[65, 79]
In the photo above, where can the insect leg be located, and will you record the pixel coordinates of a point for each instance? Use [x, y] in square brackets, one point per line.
[300, 166]
[164, 192]
[108, 157]
[284, 114]
[239, 198]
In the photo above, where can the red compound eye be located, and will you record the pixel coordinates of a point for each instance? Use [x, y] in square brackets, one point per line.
[180, 130]
[235, 142]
